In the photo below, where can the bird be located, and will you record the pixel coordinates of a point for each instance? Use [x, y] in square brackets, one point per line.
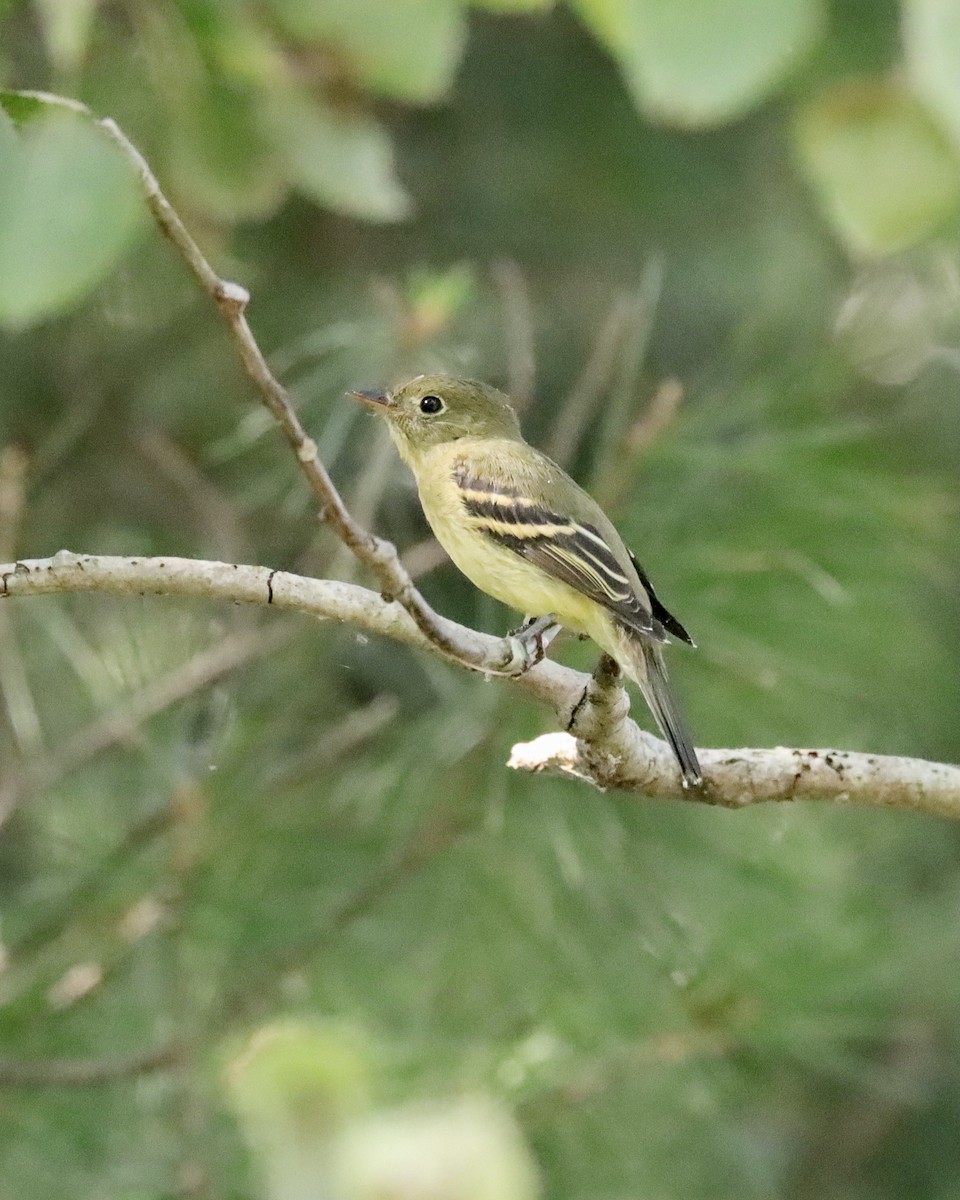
[523, 531]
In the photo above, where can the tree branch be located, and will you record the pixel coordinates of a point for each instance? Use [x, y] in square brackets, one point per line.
[633, 761]
[602, 747]
[86, 1072]
[231, 299]
[326, 599]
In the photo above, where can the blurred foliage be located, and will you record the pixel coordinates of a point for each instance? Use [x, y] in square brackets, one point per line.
[714, 250]
[299, 1093]
[62, 155]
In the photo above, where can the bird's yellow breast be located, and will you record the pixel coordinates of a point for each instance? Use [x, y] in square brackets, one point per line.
[495, 569]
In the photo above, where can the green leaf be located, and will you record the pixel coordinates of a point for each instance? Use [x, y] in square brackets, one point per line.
[219, 155]
[232, 40]
[884, 173]
[405, 49]
[342, 160]
[24, 106]
[698, 63]
[70, 205]
[931, 36]
[214, 69]
[294, 1088]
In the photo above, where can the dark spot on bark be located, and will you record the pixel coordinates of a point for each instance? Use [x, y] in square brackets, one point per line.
[575, 711]
[270, 587]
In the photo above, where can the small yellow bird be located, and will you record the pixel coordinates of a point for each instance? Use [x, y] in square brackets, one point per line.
[520, 529]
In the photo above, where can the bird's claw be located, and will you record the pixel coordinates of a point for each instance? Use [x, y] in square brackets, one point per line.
[529, 643]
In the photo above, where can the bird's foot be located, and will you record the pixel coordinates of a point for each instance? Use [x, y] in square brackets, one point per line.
[529, 643]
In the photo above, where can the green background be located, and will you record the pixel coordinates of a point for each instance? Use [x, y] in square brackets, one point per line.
[750, 205]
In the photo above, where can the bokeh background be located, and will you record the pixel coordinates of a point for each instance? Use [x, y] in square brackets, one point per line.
[267, 888]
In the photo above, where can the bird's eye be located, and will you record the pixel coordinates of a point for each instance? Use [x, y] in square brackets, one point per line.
[431, 404]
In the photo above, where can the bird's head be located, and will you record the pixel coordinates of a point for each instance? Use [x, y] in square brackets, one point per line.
[433, 409]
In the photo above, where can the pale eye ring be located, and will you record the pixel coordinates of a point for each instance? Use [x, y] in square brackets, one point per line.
[431, 405]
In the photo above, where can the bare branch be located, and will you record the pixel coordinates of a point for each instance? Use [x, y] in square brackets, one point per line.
[633, 761]
[658, 416]
[596, 376]
[326, 599]
[621, 471]
[86, 1072]
[619, 404]
[518, 332]
[231, 300]
[603, 746]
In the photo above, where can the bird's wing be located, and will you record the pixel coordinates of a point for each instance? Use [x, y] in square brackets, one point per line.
[573, 548]
[666, 619]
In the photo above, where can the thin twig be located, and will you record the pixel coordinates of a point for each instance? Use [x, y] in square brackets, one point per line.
[599, 1074]
[610, 465]
[13, 482]
[86, 1072]
[187, 1100]
[423, 557]
[518, 332]
[660, 412]
[658, 416]
[591, 384]
[232, 300]
[359, 726]
[366, 496]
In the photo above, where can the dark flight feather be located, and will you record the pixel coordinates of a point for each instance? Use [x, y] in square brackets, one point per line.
[666, 619]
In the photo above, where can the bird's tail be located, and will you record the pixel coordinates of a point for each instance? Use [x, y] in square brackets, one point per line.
[643, 662]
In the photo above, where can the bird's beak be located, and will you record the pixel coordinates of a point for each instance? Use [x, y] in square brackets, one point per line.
[375, 400]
